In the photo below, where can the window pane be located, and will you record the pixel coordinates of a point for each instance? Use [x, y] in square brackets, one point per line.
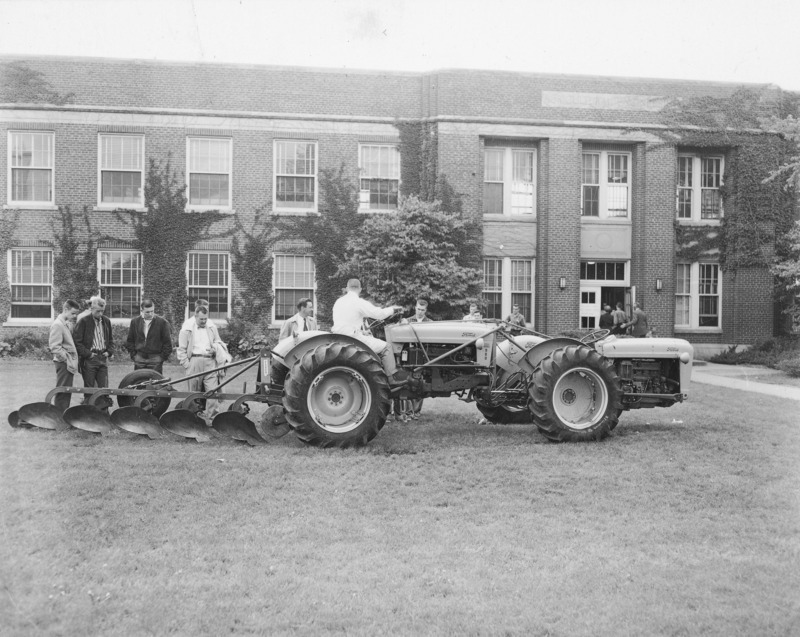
[122, 302]
[617, 201]
[208, 190]
[684, 203]
[591, 201]
[295, 158]
[494, 305]
[294, 279]
[34, 150]
[123, 152]
[521, 276]
[380, 194]
[524, 302]
[492, 274]
[31, 185]
[295, 192]
[28, 268]
[121, 187]
[710, 204]
[492, 199]
[286, 302]
[591, 168]
[685, 172]
[493, 164]
[209, 155]
[217, 301]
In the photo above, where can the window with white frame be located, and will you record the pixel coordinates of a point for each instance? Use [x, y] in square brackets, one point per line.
[208, 278]
[605, 191]
[31, 157]
[509, 181]
[603, 271]
[697, 295]
[295, 175]
[508, 282]
[699, 181]
[209, 168]
[31, 278]
[121, 170]
[379, 167]
[294, 279]
[121, 279]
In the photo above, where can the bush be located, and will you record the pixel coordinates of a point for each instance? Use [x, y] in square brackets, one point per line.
[30, 344]
[791, 367]
[244, 339]
[770, 352]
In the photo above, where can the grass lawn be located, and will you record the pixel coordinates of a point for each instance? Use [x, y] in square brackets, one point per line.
[685, 522]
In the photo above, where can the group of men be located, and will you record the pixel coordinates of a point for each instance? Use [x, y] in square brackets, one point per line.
[84, 343]
[617, 321]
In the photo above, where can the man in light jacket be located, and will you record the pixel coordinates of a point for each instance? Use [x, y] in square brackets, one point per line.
[198, 343]
[65, 355]
[300, 322]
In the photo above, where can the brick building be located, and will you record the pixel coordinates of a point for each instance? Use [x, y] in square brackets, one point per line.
[578, 197]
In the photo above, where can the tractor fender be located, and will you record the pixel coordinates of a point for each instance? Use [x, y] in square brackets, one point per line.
[290, 350]
[539, 352]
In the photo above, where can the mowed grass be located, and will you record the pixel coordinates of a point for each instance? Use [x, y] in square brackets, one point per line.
[685, 522]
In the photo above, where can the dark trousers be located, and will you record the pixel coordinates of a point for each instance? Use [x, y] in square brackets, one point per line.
[95, 371]
[149, 361]
[63, 379]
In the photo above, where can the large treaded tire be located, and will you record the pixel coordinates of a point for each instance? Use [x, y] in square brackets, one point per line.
[158, 406]
[336, 395]
[501, 415]
[575, 395]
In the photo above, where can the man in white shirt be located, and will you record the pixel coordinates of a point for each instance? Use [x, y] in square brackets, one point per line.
[197, 344]
[349, 313]
[474, 314]
[300, 322]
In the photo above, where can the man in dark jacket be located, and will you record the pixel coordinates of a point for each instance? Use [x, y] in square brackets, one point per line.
[95, 344]
[149, 339]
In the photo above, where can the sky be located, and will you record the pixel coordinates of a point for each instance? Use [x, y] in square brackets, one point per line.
[712, 40]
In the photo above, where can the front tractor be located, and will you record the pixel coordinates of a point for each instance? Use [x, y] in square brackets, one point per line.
[332, 390]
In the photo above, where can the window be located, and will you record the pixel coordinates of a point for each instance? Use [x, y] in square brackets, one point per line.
[294, 279]
[603, 271]
[121, 278]
[31, 156]
[605, 191]
[380, 177]
[121, 170]
[697, 295]
[295, 176]
[508, 282]
[699, 180]
[509, 184]
[31, 283]
[208, 279]
[209, 169]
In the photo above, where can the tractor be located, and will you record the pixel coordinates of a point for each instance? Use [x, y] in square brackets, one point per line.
[332, 391]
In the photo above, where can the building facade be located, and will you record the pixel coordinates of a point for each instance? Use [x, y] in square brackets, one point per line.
[577, 195]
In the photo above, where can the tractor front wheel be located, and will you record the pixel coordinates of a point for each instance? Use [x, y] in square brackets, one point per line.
[336, 395]
[575, 395]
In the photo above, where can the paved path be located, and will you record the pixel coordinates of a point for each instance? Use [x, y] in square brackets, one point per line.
[738, 377]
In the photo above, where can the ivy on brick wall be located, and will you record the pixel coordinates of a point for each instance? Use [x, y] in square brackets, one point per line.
[20, 84]
[696, 242]
[252, 265]
[9, 220]
[74, 258]
[165, 234]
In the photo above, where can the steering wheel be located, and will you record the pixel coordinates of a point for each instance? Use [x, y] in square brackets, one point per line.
[593, 337]
[381, 322]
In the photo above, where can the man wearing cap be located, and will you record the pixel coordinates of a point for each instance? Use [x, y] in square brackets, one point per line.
[349, 313]
[149, 339]
[95, 344]
[300, 322]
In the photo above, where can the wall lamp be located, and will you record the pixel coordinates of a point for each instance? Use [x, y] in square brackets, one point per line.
[659, 285]
[562, 282]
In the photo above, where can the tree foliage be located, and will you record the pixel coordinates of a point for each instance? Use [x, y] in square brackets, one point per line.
[20, 84]
[787, 273]
[74, 259]
[251, 264]
[413, 253]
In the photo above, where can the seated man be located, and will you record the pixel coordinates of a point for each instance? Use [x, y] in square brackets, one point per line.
[300, 322]
[349, 313]
[474, 314]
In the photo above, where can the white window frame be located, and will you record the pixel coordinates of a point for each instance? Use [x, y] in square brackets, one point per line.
[25, 203]
[226, 287]
[277, 206]
[607, 283]
[106, 285]
[275, 288]
[15, 282]
[696, 188]
[393, 170]
[189, 171]
[603, 184]
[694, 298]
[507, 288]
[509, 194]
[112, 205]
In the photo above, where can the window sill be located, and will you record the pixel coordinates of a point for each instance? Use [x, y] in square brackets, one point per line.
[30, 206]
[611, 221]
[507, 218]
[705, 222]
[18, 322]
[295, 213]
[201, 209]
[138, 208]
[697, 330]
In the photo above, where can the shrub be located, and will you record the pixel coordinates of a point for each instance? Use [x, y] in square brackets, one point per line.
[770, 352]
[244, 339]
[791, 367]
[30, 344]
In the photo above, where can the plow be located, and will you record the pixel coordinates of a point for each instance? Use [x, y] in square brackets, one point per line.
[331, 389]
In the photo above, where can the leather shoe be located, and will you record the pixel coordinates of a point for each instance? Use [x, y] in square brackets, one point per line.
[398, 378]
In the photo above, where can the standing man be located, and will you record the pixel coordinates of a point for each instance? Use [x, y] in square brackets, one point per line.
[474, 314]
[149, 339]
[65, 355]
[620, 318]
[606, 318]
[638, 322]
[197, 348]
[95, 345]
[420, 316]
[516, 320]
[300, 322]
[349, 313]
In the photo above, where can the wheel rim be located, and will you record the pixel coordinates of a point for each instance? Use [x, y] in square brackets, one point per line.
[339, 399]
[580, 398]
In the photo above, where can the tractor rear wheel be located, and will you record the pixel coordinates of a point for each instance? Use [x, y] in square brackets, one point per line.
[336, 395]
[575, 395]
[156, 406]
[505, 415]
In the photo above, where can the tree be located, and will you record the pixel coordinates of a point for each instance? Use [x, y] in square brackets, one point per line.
[787, 273]
[413, 253]
[21, 84]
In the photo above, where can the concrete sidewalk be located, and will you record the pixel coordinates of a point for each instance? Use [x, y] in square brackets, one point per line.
[741, 377]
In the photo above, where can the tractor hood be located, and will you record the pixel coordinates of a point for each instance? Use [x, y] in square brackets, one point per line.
[442, 332]
[613, 347]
